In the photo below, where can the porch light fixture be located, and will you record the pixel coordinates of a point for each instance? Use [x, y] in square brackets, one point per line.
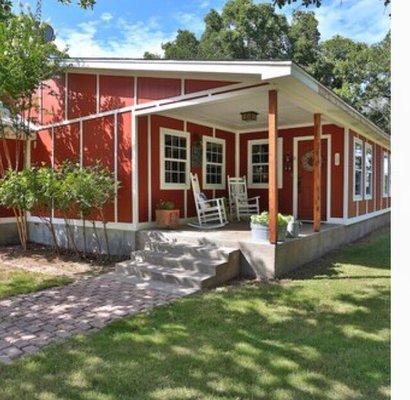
[249, 116]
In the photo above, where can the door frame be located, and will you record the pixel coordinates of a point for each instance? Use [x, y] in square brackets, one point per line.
[296, 141]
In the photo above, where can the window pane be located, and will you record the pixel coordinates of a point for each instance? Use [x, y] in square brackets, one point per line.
[358, 183]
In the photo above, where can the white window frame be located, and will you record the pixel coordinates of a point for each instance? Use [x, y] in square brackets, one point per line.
[211, 139]
[174, 186]
[279, 165]
[386, 190]
[357, 197]
[368, 146]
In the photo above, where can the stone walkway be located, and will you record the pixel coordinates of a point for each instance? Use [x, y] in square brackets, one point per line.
[29, 322]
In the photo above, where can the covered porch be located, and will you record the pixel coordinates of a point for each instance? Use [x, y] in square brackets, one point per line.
[279, 145]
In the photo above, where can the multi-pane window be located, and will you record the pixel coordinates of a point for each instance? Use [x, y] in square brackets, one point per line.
[258, 163]
[358, 169]
[368, 163]
[386, 175]
[214, 163]
[175, 159]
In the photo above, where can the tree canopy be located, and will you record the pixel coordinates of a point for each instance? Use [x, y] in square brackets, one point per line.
[357, 71]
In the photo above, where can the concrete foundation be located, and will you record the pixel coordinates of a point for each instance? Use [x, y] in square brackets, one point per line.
[8, 234]
[121, 242]
[294, 253]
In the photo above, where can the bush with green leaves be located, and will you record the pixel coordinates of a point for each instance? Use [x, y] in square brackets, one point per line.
[263, 219]
[17, 192]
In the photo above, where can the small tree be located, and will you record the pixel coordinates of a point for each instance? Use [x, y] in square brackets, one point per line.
[17, 192]
[47, 188]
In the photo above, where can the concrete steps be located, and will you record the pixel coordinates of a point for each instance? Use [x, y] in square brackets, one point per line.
[190, 265]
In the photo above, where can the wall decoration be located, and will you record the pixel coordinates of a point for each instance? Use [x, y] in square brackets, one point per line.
[196, 156]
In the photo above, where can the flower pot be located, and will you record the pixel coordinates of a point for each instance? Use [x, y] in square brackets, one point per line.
[282, 233]
[294, 229]
[260, 232]
[167, 218]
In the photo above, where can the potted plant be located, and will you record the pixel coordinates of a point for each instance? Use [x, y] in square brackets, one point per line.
[260, 226]
[294, 227]
[166, 215]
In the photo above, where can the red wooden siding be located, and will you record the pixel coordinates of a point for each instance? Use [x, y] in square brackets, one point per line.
[196, 85]
[124, 167]
[150, 89]
[285, 195]
[142, 168]
[98, 145]
[67, 143]
[177, 196]
[42, 148]
[197, 133]
[82, 99]
[53, 100]
[116, 92]
[377, 202]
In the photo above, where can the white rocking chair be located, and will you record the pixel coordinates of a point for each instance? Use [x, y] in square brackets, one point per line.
[239, 203]
[211, 213]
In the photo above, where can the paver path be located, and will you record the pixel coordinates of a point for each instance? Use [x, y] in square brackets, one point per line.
[28, 322]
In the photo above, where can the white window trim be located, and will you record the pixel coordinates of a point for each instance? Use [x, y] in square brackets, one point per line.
[279, 165]
[385, 193]
[357, 197]
[211, 139]
[174, 186]
[368, 146]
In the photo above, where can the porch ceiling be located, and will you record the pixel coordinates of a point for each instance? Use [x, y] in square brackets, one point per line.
[226, 113]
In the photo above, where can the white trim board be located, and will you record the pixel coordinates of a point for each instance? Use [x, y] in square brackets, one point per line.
[359, 218]
[296, 141]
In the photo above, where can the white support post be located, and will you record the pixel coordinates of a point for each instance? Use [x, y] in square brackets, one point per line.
[116, 165]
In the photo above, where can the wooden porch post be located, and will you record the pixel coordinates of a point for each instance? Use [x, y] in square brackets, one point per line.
[273, 187]
[317, 171]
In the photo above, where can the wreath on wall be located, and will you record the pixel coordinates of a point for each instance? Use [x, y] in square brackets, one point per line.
[307, 161]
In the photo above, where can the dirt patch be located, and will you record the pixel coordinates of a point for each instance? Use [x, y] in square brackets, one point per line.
[43, 259]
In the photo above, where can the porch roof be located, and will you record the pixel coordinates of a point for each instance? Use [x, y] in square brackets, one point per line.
[300, 95]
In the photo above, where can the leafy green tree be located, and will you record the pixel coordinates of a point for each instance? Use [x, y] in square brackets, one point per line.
[47, 188]
[151, 56]
[307, 3]
[304, 37]
[184, 47]
[17, 192]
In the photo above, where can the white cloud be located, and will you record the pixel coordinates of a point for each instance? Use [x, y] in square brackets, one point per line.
[362, 20]
[190, 21]
[106, 17]
[113, 38]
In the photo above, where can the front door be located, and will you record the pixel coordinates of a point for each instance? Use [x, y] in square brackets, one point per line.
[305, 179]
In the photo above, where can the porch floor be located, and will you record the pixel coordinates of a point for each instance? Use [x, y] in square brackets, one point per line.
[230, 235]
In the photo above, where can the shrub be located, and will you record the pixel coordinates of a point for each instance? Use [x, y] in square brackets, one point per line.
[165, 205]
[263, 219]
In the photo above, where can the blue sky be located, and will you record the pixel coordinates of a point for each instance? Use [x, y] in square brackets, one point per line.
[128, 28]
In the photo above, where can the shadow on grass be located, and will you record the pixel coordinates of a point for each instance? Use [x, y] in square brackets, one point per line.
[300, 339]
[370, 252]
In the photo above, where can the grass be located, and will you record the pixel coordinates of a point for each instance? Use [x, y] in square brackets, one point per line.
[14, 281]
[323, 334]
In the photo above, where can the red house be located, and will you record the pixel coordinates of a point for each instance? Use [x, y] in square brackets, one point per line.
[328, 157]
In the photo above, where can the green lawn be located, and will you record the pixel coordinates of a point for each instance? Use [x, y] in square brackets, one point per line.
[322, 335]
[14, 281]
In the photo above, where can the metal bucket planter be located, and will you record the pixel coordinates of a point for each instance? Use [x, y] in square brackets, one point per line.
[260, 233]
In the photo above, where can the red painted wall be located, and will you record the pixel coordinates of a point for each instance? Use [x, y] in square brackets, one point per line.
[197, 132]
[377, 202]
[196, 85]
[53, 104]
[82, 99]
[285, 195]
[124, 167]
[116, 92]
[150, 89]
[41, 149]
[67, 143]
